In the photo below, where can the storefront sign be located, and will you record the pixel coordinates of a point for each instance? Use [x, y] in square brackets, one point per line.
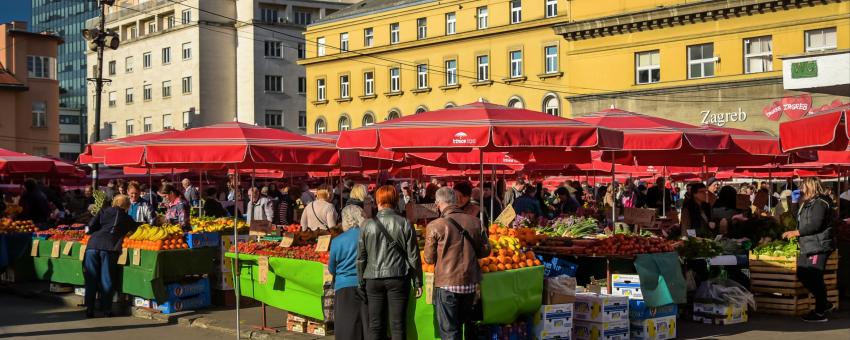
[796, 107]
[721, 118]
[804, 69]
[773, 112]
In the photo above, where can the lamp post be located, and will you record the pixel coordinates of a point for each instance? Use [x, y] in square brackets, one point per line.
[99, 38]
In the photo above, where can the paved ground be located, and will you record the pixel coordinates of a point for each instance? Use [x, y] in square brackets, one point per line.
[769, 327]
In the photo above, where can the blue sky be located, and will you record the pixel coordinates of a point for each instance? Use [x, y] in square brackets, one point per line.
[16, 10]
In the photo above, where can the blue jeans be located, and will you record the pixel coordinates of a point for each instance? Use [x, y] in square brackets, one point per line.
[100, 267]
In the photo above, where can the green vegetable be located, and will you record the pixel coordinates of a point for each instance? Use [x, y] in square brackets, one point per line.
[781, 248]
[574, 227]
[695, 247]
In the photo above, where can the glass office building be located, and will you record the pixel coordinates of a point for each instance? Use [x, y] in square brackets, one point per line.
[67, 18]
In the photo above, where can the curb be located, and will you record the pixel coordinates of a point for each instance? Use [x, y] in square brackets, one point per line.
[211, 324]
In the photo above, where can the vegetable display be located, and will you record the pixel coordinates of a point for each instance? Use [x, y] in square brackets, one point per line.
[695, 247]
[575, 227]
[783, 248]
[272, 248]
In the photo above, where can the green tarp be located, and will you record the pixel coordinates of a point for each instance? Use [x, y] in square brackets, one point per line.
[661, 279]
[296, 286]
[67, 269]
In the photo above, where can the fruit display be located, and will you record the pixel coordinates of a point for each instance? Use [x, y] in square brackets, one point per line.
[507, 259]
[216, 225]
[525, 236]
[783, 248]
[13, 209]
[609, 245]
[62, 234]
[695, 247]
[77, 226]
[573, 227]
[292, 228]
[148, 237]
[272, 248]
[8, 226]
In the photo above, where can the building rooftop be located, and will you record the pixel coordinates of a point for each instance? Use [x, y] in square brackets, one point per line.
[7, 80]
[369, 7]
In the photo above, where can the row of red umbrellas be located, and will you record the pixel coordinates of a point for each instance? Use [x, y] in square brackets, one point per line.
[15, 163]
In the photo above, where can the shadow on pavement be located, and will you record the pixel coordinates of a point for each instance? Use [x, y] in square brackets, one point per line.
[79, 330]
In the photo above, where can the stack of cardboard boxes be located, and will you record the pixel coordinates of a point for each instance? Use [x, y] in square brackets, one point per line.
[601, 317]
[302, 324]
[186, 295]
[554, 319]
[645, 322]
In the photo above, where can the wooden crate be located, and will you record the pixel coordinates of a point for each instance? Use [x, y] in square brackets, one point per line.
[783, 304]
[777, 290]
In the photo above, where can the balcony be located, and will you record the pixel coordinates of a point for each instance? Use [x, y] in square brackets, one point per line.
[130, 11]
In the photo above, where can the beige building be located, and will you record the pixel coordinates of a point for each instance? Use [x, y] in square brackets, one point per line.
[199, 62]
[29, 91]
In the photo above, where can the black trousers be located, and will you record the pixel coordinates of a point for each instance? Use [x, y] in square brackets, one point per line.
[455, 313]
[810, 272]
[387, 299]
[350, 313]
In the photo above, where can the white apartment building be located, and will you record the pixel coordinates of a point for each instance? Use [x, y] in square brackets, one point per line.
[185, 63]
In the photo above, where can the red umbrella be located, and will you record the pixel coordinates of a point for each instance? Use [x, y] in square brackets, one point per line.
[94, 153]
[12, 162]
[825, 130]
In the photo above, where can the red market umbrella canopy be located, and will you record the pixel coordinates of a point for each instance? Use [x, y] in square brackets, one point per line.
[94, 153]
[482, 126]
[12, 162]
[224, 145]
[825, 130]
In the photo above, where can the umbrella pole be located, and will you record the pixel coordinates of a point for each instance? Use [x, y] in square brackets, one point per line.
[481, 183]
[663, 190]
[150, 188]
[493, 193]
[341, 186]
[200, 193]
[236, 242]
[769, 186]
[613, 195]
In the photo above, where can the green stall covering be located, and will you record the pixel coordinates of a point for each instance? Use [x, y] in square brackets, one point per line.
[155, 269]
[67, 269]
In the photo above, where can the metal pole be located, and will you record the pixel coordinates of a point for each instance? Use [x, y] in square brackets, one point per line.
[481, 183]
[200, 193]
[98, 87]
[613, 180]
[493, 193]
[236, 268]
[664, 192]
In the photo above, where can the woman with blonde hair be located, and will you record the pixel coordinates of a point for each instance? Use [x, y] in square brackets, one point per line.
[319, 214]
[814, 228]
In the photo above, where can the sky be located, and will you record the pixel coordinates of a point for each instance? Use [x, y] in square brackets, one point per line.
[15, 10]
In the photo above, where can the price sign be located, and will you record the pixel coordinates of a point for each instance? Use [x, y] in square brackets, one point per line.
[263, 263]
[82, 252]
[260, 228]
[68, 247]
[122, 260]
[137, 257]
[323, 243]
[287, 240]
[57, 246]
[638, 216]
[692, 233]
[34, 251]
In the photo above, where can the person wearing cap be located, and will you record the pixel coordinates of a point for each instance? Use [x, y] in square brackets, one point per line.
[177, 208]
[713, 186]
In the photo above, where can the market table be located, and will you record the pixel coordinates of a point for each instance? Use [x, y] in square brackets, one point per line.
[61, 268]
[157, 268]
[12, 247]
[297, 286]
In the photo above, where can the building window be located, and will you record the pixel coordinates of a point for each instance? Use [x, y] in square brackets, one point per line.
[551, 8]
[321, 127]
[758, 54]
[274, 84]
[302, 120]
[302, 51]
[268, 15]
[108, 128]
[320, 89]
[39, 114]
[516, 103]
[147, 92]
[516, 64]
[394, 33]
[186, 16]
[344, 124]
[482, 17]
[343, 86]
[368, 37]
[166, 122]
[551, 54]
[187, 51]
[701, 61]
[169, 22]
[451, 23]
[70, 120]
[303, 18]
[69, 138]
[551, 105]
[187, 119]
[451, 72]
[166, 55]
[395, 79]
[368, 83]
[112, 67]
[393, 115]
[128, 65]
[128, 127]
[821, 39]
[343, 41]
[421, 109]
[647, 67]
[516, 11]
[483, 68]
[272, 49]
[421, 28]
[302, 85]
[113, 99]
[320, 46]
[128, 96]
[147, 124]
[151, 27]
[368, 119]
[187, 85]
[166, 89]
[422, 76]
[146, 60]
[131, 32]
[274, 118]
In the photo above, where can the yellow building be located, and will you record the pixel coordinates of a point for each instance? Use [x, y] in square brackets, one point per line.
[693, 61]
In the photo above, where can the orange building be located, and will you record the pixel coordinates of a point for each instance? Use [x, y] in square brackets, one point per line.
[29, 91]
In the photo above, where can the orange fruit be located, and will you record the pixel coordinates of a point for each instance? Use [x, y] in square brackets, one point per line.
[536, 262]
[485, 261]
[515, 259]
[503, 252]
[509, 266]
[522, 265]
[493, 267]
[529, 263]
[485, 269]
[530, 255]
[501, 266]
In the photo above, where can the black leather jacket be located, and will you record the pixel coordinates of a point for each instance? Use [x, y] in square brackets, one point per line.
[814, 221]
[375, 257]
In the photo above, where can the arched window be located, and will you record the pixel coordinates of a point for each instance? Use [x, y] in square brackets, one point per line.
[344, 123]
[516, 102]
[551, 105]
[421, 109]
[321, 127]
[368, 119]
[449, 105]
[394, 114]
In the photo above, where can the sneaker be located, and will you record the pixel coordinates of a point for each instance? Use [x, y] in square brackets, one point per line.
[815, 317]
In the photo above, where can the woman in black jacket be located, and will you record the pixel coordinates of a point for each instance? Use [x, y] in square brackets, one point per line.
[814, 228]
[107, 231]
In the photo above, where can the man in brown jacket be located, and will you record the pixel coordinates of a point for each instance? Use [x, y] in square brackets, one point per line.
[454, 243]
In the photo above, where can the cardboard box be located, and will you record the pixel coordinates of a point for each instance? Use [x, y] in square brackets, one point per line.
[626, 285]
[317, 328]
[296, 326]
[559, 290]
[203, 240]
[182, 290]
[720, 314]
[661, 328]
[295, 317]
[601, 307]
[177, 305]
[638, 309]
[617, 330]
[140, 302]
[80, 291]
[553, 320]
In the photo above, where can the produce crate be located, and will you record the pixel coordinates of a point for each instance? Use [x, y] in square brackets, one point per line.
[777, 290]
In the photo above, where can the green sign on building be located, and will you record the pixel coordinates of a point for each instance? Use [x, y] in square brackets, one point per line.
[804, 69]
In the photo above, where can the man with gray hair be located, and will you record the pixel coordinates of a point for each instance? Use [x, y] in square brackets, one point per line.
[454, 243]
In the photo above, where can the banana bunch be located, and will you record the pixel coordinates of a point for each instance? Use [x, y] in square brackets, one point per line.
[505, 242]
[147, 232]
[218, 225]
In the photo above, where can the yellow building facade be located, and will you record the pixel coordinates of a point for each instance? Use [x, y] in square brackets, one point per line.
[692, 61]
